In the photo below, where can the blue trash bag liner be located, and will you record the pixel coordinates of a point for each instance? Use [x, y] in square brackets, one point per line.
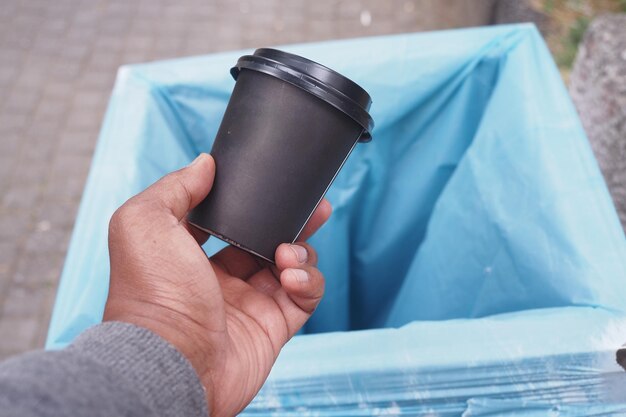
[474, 261]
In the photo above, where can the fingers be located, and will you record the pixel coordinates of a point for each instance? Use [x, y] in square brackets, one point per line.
[295, 266]
[241, 264]
[287, 256]
[302, 285]
[299, 291]
[295, 255]
[305, 287]
[318, 218]
[301, 280]
[184, 189]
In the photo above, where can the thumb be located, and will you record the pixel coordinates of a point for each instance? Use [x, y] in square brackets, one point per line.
[184, 189]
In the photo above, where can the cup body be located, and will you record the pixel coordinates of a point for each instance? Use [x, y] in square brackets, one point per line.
[277, 151]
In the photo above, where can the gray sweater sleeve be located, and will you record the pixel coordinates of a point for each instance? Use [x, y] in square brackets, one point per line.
[112, 369]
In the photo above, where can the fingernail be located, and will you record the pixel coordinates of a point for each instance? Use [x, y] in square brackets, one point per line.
[301, 253]
[195, 161]
[300, 274]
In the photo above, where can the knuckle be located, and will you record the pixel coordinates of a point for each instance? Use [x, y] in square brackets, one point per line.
[179, 188]
[124, 217]
[115, 221]
[317, 282]
[317, 279]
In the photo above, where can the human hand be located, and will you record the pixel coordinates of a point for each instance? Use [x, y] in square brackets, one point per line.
[230, 315]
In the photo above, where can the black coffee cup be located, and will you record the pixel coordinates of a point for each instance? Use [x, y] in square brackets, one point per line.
[289, 126]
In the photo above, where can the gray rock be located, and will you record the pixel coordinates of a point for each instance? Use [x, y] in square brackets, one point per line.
[598, 88]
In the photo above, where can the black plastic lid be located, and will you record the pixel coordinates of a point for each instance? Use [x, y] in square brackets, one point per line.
[322, 82]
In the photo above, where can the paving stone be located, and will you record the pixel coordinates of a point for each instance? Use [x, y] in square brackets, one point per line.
[55, 214]
[175, 12]
[65, 70]
[11, 57]
[7, 74]
[46, 45]
[60, 10]
[120, 9]
[32, 77]
[166, 47]
[7, 11]
[142, 27]
[54, 26]
[137, 57]
[58, 90]
[21, 41]
[77, 142]
[43, 132]
[83, 118]
[109, 43]
[139, 43]
[65, 189]
[14, 224]
[7, 163]
[115, 26]
[90, 99]
[46, 241]
[9, 147]
[81, 34]
[87, 16]
[27, 22]
[12, 121]
[71, 165]
[19, 300]
[323, 29]
[191, 47]
[21, 197]
[74, 53]
[17, 334]
[8, 253]
[47, 305]
[96, 79]
[107, 61]
[38, 269]
[22, 100]
[50, 109]
[34, 162]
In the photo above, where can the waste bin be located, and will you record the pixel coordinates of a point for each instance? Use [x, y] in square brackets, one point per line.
[474, 261]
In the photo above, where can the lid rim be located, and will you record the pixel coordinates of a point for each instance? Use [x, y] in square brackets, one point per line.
[356, 93]
[326, 91]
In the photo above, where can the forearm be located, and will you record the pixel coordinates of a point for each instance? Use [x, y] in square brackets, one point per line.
[111, 369]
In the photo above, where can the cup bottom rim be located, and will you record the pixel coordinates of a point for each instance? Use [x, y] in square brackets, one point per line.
[230, 241]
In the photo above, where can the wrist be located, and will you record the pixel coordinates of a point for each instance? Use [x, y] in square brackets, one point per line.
[178, 331]
[142, 361]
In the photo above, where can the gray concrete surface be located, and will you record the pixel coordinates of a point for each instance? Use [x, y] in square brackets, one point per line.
[58, 61]
[598, 88]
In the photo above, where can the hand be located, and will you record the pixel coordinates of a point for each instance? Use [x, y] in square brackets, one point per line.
[230, 315]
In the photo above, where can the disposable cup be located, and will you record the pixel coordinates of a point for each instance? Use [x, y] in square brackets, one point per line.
[288, 128]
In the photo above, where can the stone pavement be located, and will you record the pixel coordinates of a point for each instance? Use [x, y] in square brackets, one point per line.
[58, 61]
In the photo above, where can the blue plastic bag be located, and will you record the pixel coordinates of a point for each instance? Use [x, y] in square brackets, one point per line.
[478, 196]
